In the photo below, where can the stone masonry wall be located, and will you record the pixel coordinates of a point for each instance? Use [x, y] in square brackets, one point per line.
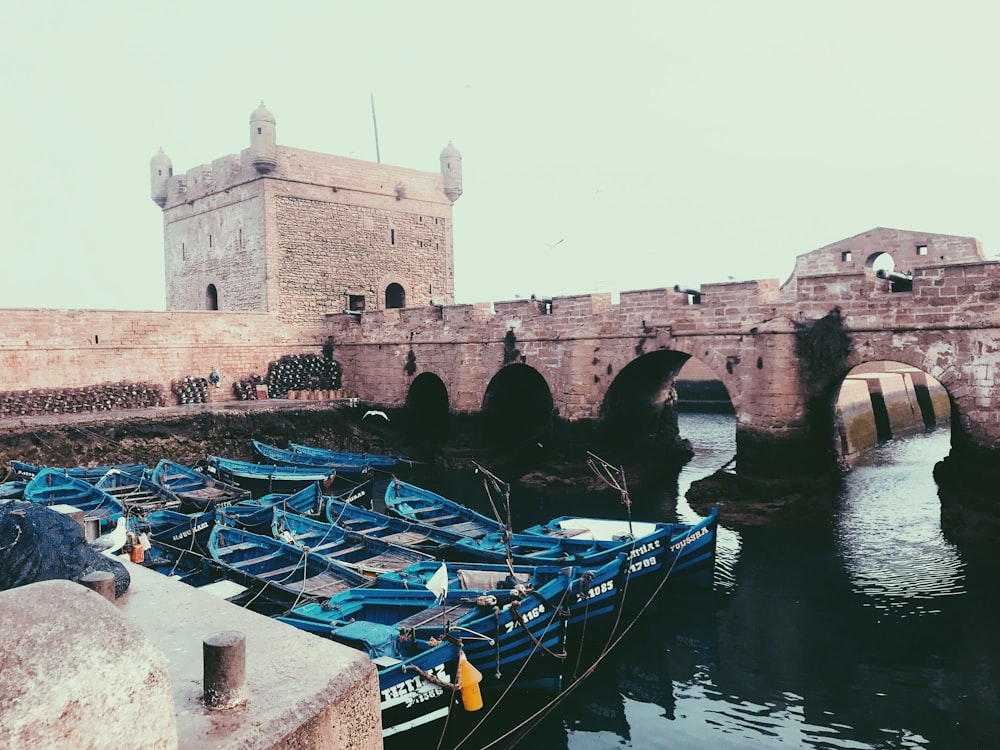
[329, 248]
[71, 348]
[218, 239]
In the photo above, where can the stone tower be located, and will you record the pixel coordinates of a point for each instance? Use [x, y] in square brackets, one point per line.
[301, 234]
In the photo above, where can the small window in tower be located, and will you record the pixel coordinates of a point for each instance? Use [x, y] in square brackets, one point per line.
[845, 256]
[211, 298]
[184, 252]
[209, 240]
[392, 236]
[921, 249]
[356, 302]
[259, 131]
[420, 219]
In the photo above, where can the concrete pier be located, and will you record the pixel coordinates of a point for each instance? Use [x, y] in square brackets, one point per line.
[301, 691]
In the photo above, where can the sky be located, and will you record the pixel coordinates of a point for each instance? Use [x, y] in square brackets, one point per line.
[606, 146]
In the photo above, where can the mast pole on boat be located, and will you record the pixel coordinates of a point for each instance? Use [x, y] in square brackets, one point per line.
[613, 478]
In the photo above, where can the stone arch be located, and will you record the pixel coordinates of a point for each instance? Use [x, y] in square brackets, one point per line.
[427, 408]
[639, 406]
[211, 297]
[884, 399]
[517, 406]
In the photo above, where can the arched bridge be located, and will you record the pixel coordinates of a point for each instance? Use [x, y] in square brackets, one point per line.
[781, 350]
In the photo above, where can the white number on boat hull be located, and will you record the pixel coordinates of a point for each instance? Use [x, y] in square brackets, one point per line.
[415, 690]
[528, 616]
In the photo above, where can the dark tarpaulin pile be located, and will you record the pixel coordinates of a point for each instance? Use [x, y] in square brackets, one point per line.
[40, 544]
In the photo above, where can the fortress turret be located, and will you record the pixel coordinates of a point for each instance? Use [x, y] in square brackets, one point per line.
[451, 170]
[160, 170]
[263, 141]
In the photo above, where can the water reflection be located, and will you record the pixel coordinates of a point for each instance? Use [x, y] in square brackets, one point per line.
[868, 632]
[889, 530]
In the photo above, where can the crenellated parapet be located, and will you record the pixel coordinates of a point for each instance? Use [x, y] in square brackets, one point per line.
[301, 234]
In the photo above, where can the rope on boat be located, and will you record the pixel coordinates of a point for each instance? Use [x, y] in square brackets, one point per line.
[551, 705]
[500, 697]
[538, 644]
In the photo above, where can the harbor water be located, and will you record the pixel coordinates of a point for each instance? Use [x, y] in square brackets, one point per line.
[865, 630]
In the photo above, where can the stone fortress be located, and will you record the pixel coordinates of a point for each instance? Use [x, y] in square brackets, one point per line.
[277, 251]
[302, 234]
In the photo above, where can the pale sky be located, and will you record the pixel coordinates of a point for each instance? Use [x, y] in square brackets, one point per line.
[606, 147]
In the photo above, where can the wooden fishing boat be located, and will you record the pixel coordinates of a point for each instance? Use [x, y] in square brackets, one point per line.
[375, 460]
[177, 533]
[425, 507]
[398, 531]
[90, 474]
[689, 553]
[198, 491]
[347, 511]
[368, 555]
[261, 479]
[277, 570]
[53, 487]
[137, 494]
[595, 603]
[423, 646]
[253, 517]
[12, 490]
[655, 552]
[353, 465]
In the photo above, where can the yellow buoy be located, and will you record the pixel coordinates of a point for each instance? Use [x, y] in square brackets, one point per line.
[468, 682]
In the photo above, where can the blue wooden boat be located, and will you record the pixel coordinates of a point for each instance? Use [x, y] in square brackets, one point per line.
[353, 466]
[137, 494]
[367, 555]
[277, 570]
[253, 517]
[177, 533]
[347, 511]
[595, 603]
[428, 508]
[90, 474]
[197, 490]
[12, 490]
[655, 552]
[261, 479]
[53, 487]
[416, 642]
[375, 460]
[438, 542]
[689, 551]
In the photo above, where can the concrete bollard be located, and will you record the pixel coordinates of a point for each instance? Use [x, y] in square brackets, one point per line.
[91, 528]
[225, 664]
[101, 581]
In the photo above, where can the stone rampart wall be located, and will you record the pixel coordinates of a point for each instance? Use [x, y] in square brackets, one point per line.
[71, 348]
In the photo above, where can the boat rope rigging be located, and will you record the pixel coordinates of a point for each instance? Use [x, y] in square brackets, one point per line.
[545, 710]
[613, 477]
[538, 644]
[499, 700]
[501, 488]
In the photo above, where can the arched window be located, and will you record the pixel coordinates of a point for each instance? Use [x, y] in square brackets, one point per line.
[395, 296]
[211, 298]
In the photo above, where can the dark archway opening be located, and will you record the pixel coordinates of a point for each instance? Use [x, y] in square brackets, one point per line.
[639, 412]
[211, 298]
[517, 408]
[427, 409]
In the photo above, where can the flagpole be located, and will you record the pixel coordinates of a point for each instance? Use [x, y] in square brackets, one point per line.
[378, 156]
